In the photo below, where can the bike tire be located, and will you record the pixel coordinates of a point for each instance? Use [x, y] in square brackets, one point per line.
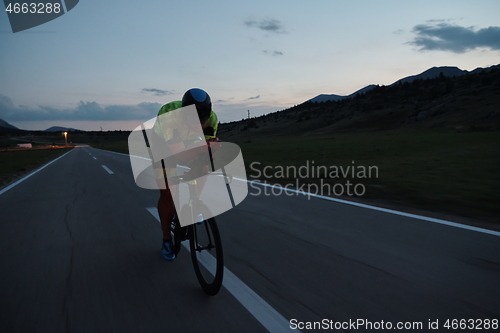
[209, 268]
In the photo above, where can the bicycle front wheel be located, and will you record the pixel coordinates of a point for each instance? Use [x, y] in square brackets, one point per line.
[207, 256]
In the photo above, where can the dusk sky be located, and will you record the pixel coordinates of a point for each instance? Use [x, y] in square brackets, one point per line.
[113, 63]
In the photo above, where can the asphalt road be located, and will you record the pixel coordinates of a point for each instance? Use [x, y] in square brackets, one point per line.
[80, 252]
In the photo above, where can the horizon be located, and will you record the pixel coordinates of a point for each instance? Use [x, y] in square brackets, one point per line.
[264, 57]
[132, 124]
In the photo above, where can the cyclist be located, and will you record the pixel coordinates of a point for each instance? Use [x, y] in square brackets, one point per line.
[209, 122]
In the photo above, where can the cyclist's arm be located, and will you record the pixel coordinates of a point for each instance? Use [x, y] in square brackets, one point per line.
[210, 126]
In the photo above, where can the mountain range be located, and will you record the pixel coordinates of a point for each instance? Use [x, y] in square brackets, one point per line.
[333, 97]
[433, 72]
[466, 102]
[5, 124]
[60, 129]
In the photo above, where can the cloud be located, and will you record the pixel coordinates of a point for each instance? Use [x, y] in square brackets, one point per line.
[83, 111]
[5, 102]
[221, 101]
[158, 92]
[274, 53]
[268, 25]
[255, 97]
[448, 37]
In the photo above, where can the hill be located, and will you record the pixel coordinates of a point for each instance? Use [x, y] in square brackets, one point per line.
[325, 98]
[61, 129]
[434, 72]
[5, 124]
[446, 71]
[466, 102]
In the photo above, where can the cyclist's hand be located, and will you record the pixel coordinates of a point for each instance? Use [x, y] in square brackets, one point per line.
[214, 143]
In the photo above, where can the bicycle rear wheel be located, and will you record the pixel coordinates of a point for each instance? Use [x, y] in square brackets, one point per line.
[207, 255]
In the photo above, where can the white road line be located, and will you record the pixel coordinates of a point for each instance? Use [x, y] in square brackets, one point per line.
[114, 152]
[142, 158]
[385, 210]
[107, 169]
[31, 174]
[94, 158]
[271, 319]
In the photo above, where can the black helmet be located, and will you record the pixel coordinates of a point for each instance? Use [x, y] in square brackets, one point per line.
[201, 100]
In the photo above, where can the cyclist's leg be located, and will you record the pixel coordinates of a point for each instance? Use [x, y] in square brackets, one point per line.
[166, 207]
[166, 210]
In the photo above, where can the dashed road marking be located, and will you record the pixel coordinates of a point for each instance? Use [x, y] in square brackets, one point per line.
[107, 169]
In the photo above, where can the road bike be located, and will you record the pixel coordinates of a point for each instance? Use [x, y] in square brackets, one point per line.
[205, 242]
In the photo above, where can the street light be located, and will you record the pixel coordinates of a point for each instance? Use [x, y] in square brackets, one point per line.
[65, 138]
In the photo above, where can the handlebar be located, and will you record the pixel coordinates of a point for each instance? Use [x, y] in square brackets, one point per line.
[180, 178]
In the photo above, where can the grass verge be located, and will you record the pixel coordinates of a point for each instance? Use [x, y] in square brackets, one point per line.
[14, 164]
[448, 172]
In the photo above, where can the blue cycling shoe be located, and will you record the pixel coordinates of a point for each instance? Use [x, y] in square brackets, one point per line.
[167, 251]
